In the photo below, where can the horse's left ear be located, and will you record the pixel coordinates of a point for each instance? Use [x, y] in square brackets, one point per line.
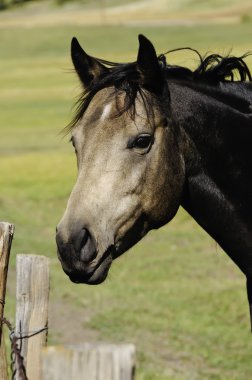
[149, 67]
[88, 68]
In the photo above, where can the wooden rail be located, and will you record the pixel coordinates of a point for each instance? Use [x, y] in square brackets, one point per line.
[97, 361]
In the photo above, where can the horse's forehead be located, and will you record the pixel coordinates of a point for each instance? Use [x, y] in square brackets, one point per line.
[104, 114]
[103, 107]
[108, 103]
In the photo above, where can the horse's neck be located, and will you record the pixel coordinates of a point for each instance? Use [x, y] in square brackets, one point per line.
[218, 216]
[218, 189]
[243, 89]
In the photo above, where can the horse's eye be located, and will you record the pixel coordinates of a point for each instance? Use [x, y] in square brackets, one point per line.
[143, 141]
[73, 143]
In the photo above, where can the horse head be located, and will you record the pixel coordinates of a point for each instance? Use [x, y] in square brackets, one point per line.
[130, 170]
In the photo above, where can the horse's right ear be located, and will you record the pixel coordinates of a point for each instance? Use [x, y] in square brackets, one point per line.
[87, 67]
[149, 67]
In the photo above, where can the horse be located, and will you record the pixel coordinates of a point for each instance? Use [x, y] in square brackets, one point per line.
[150, 137]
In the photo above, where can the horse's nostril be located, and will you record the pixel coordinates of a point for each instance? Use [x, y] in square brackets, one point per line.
[88, 247]
[80, 245]
[81, 239]
[84, 245]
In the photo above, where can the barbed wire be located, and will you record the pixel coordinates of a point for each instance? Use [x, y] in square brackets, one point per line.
[2, 301]
[17, 360]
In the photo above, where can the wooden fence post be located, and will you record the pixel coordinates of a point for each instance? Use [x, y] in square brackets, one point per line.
[6, 235]
[32, 310]
[98, 361]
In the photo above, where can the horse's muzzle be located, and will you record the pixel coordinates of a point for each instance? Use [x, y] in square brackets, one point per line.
[79, 257]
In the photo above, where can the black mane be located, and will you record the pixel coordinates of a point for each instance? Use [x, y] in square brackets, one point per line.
[212, 70]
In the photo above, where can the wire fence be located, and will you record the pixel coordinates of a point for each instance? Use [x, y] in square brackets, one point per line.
[18, 371]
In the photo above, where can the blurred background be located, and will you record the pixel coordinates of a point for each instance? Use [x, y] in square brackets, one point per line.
[176, 295]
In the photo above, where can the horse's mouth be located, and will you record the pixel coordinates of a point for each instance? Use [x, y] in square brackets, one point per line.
[98, 274]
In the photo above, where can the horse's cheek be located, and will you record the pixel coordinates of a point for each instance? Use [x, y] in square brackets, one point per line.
[164, 188]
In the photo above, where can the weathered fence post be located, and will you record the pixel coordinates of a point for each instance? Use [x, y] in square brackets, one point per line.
[6, 235]
[32, 310]
[97, 361]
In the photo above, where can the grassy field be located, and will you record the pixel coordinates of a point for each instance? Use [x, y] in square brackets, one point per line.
[123, 12]
[175, 295]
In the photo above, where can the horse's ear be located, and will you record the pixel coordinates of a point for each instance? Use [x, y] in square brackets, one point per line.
[87, 67]
[149, 66]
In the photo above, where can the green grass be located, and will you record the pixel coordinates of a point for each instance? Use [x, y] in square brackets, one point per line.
[175, 295]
